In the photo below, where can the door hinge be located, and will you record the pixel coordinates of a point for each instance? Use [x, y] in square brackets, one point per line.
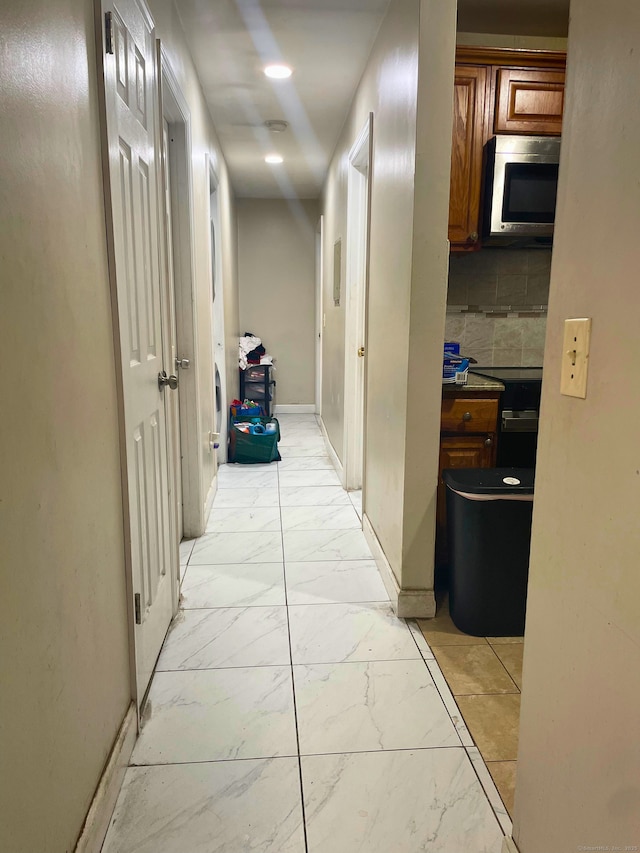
[136, 600]
[108, 32]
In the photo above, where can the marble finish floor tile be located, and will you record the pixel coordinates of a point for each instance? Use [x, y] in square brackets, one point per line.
[333, 633]
[225, 807]
[226, 637]
[215, 715]
[473, 669]
[511, 656]
[186, 547]
[233, 585]
[244, 519]
[490, 789]
[308, 478]
[302, 439]
[292, 451]
[247, 476]
[356, 500]
[310, 463]
[320, 518]
[296, 496]
[494, 722]
[253, 547]
[356, 707]
[248, 497]
[504, 775]
[330, 582]
[407, 801]
[304, 545]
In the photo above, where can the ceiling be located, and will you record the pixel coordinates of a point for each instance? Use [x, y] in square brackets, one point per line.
[327, 42]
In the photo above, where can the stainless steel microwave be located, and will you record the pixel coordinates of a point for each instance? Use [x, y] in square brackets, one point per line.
[521, 186]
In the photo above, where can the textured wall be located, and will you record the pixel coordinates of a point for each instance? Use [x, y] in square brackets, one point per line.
[277, 281]
[64, 660]
[578, 784]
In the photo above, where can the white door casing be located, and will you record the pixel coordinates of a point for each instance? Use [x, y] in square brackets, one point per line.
[319, 311]
[131, 191]
[358, 187]
[218, 325]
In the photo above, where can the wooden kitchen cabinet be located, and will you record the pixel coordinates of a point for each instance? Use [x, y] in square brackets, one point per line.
[496, 90]
[469, 130]
[529, 101]
[467, 440]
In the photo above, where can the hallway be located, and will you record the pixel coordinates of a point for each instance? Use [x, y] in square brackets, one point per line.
[287, 671]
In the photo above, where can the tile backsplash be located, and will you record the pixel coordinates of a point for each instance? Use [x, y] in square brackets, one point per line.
[510, 341]
[496, 305]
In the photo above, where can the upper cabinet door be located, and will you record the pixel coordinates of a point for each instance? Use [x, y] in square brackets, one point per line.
[469, 109]
[529, 101]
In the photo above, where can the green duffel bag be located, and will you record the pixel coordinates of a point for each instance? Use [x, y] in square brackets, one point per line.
[249, 449]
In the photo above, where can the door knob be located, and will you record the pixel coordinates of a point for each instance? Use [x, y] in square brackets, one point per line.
[488, 442]
[171, 381]
[360, 352]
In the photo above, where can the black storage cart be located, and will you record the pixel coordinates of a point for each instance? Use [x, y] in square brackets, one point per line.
[489, 533]
[256, 384]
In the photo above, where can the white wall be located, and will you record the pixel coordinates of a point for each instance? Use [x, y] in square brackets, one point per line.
[578, 781]
[407, 281]
[276, 275]
[64, 660]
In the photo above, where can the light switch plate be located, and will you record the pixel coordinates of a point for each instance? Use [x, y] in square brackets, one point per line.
[575, 357]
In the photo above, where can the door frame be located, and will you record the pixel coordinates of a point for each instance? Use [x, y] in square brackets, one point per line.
[357, 277]
[221, 429]
[319, 310]
[175, 110]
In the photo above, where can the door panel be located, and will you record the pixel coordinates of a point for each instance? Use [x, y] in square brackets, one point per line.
[130, 86]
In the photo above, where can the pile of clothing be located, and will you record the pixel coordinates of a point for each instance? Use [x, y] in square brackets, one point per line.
[251, 351]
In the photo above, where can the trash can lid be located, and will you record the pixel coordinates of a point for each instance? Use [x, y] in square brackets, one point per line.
[490, 481]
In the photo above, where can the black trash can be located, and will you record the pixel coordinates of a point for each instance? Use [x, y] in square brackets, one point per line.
[489, 534]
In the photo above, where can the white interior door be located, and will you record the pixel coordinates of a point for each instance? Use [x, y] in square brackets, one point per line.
[173, 401]
[130, 89]
[219, 357]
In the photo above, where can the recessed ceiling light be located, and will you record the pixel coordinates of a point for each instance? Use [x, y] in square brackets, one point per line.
[278, 72]
[273, 158]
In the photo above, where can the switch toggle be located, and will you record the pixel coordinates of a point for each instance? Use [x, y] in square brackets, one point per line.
[575, 357]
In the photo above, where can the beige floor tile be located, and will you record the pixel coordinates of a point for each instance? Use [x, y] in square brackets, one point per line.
[504, 641]
[494, 723]
[473, 669]
[511, 657]
[440, 631]
[504, 775]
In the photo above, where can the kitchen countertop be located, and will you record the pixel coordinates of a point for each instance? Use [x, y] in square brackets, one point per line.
[475, 382]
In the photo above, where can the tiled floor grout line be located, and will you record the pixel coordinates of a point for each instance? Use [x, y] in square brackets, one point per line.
[293, 683]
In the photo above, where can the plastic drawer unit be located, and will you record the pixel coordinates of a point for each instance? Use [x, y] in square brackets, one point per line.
[489, 535]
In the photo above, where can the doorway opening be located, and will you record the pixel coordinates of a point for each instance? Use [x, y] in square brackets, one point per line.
[217, 320]
[357, 272]
[185, 447]
[319, 312]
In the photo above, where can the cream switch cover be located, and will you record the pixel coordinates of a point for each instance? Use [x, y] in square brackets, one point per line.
[575, 357]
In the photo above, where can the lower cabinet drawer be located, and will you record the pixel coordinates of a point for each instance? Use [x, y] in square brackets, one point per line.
[464, 415]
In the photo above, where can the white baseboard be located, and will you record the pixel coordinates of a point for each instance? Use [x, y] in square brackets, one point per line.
[509, 845]
[333, 456]
[295, 409]
[104, 800]
[408, 603]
